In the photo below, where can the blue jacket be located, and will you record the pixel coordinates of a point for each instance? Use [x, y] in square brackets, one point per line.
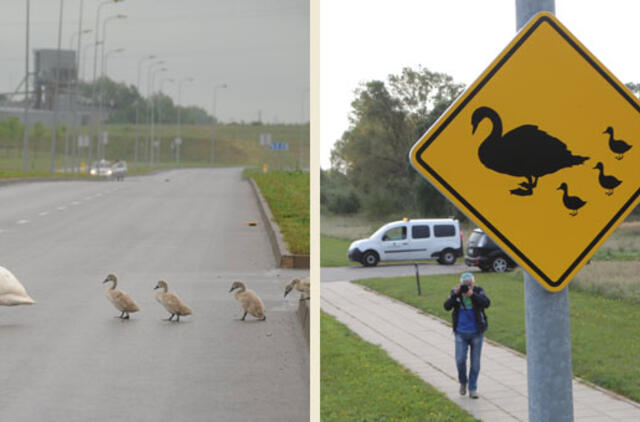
[479, 302]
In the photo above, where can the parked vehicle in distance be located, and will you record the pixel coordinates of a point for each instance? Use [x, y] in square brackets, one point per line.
[119, 170]
[484, 253]
[410, 240]
[101, 168]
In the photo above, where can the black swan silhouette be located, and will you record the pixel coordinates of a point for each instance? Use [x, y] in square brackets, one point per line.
[572, 203]
[618, 146]
[526, 151]
[607, 182]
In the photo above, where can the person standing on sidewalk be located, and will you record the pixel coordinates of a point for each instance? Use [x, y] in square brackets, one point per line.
[468, 302]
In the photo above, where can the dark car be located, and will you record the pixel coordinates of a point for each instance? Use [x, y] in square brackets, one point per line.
[483, 252]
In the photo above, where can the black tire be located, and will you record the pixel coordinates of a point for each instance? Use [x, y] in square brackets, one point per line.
[370, 259]
[447, 257]
[500, 264]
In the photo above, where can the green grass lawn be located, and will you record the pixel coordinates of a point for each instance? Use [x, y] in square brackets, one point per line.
[287, 193]
[360, 382]
[605, 333]
[333, 252]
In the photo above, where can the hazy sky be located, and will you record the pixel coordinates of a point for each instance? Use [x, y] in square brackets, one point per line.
[362, 40]
[260, 48]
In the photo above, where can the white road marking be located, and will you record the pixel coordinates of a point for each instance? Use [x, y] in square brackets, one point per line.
[62, 208]
[43, 213]
[88, 198]
[22, 221]
[98, 194]
[75, 203]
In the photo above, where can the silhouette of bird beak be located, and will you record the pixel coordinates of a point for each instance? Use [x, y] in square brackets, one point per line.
[105, 280]
[559, 187]
[231, 289]
[157, 287]
[474, 127]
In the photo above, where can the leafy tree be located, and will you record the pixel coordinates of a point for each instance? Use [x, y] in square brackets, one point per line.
[385, 121]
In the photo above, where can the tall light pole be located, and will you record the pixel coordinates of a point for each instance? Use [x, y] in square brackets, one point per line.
[178, 141]
[103, 82]
[135, 152]
[147, 149]
[72, 93]
[55, 94]
[100, 152]
[84, 58]
[25, 141]
[153, 78]
[187, 79]
[162, 81]
[215, 119]
[95, 65]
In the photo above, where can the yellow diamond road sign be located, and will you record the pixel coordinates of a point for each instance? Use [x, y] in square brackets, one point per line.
[542, 152]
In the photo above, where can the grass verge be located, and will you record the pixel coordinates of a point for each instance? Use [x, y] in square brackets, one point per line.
[360, 382]
[287, 193]
[333, 252]
[605, 332]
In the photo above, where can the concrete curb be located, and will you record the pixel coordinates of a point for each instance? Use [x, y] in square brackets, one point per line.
[304, 317]
[284, 258]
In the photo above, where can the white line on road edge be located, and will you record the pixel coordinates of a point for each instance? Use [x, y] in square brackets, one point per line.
[62, 208]
[43, 213]
[75, 203]
[22, 221]
[88, 198]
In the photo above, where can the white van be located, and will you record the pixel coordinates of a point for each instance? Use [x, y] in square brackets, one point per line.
[410, 240]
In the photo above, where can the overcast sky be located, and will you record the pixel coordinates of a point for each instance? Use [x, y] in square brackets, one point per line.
[363, 40]
[260, 48]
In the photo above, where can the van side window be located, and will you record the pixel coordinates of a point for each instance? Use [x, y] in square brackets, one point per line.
[444, 230]
[420, 232]
[396, 233]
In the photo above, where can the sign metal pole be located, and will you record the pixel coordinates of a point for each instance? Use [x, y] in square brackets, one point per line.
[549, 373]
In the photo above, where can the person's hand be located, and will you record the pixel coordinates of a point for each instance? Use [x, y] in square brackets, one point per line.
[469, 293]
[458, 290]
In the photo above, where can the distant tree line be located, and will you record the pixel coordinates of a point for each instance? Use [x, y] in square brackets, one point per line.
[120, 102]
[370, 170]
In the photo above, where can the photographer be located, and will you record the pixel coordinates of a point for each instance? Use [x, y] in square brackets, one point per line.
[468, 302]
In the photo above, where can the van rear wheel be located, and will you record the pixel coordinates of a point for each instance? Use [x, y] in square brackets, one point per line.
[447, 257]
[370, 259]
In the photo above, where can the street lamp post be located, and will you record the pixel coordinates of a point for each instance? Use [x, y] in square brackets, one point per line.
[179, 131]
[162, 81]
[72, 94]
[55, 94]
[147, 148]
[153, 78]
[215, 120]
[25, 141]
[103, 82]
[95, 67]
[100, 152]
[135, 153]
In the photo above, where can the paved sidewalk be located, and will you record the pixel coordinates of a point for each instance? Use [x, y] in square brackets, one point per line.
[424, 344]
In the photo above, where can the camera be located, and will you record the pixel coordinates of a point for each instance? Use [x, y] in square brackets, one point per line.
[464, 288]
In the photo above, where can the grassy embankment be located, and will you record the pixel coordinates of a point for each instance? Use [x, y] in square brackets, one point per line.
[605, 332]
[235, 144]
[360, 382]
[287, 193]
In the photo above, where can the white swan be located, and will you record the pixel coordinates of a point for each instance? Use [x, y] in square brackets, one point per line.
[11, 291]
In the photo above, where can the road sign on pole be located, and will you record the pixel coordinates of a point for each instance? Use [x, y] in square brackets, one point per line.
[539, 152]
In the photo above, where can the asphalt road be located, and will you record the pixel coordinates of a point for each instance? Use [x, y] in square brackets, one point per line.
[68, 359]
[329, 274]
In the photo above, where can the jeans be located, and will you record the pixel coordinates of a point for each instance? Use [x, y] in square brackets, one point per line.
[463, 342]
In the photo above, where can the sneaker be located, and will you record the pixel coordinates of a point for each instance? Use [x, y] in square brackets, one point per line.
[473, 394]
[463, 389]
